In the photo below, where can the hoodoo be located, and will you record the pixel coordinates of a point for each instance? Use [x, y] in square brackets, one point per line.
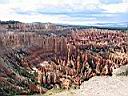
[37, 61]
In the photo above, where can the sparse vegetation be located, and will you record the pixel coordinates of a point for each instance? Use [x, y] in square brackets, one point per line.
[53, 92]
[124, 72]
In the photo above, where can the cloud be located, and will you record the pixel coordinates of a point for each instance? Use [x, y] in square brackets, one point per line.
[65, 11]
[116, 8]
[4, 1]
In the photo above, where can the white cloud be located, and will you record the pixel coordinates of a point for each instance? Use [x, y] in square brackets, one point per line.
[125, 1]
[9, 10]
[115, 8]
[70, 5]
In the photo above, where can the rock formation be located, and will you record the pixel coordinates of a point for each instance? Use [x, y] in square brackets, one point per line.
[32, 63]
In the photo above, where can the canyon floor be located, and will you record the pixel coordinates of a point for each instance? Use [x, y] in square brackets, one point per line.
[99, 86]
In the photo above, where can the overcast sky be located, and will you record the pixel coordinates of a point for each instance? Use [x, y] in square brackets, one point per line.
[81, 12]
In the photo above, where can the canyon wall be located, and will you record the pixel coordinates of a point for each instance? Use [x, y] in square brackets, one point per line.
[58, 61]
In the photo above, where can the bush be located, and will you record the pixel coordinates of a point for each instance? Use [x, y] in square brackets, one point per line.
[122, 71]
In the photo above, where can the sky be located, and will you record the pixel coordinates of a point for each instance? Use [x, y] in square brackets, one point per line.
[78, 12]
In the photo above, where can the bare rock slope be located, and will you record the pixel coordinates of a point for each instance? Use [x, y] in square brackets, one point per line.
[100, 86]
[116, 85]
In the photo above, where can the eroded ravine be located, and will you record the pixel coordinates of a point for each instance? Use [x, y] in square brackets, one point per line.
[32, 63]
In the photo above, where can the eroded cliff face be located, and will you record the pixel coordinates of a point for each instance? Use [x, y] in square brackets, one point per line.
[33, 63]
